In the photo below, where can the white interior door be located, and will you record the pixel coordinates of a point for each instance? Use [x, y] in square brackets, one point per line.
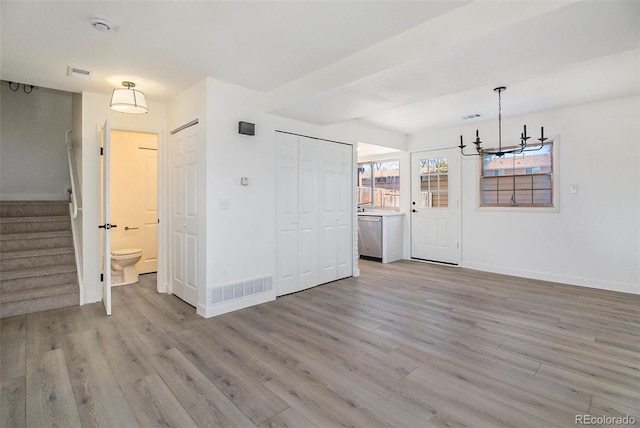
[148, 202]
[106, 226]
[184, 214]
[435, 205]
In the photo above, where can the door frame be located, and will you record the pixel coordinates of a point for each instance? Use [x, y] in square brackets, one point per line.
[158, 182]
[162, 275]
[437, 153]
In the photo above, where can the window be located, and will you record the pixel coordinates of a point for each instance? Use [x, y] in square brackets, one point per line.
[379, 184]
[523, 180]
[434, 183]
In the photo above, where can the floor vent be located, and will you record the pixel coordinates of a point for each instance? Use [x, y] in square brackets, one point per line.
[239, 290]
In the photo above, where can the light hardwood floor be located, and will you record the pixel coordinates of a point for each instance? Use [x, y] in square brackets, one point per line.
[406, 344]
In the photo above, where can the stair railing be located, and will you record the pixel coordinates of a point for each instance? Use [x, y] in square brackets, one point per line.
[73, 208]
[74, 201]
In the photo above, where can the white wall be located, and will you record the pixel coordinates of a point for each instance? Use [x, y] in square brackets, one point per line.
[593, 237]
[33, 158]
[95, 109]
[240, 220]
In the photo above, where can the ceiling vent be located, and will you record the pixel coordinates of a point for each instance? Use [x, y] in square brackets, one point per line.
[78, 72]
[471, 116]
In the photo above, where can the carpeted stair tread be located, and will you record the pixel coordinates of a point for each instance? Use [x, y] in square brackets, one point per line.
[34, 235]
[8, 255]
[34, 219]
[37, 293]
[38, 271]
[33, 208]
[40, 304]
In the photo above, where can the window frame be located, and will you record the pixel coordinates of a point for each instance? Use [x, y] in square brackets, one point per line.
[552, 207]
[373, 184]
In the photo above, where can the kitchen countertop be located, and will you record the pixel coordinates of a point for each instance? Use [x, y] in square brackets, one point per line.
[381, 213]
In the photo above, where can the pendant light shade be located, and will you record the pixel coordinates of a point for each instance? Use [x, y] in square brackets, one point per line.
[128, 100]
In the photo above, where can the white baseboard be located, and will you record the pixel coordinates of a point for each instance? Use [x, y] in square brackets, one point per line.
[621, 287]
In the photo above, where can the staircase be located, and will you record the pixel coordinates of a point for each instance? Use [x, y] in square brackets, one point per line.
[37, 260]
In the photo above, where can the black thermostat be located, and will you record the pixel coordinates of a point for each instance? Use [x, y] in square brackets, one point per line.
[247, 128]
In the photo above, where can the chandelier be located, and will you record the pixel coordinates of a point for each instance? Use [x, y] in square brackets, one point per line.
[500, 152]
[128, 100]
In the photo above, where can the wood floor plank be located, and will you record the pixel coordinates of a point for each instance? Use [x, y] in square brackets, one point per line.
[12, 351]
[360, 384]
[288, 418]
[154, 405]
[96, 390]
[601, 407]
[247, 392]
[51, 401]
[464, 395]
[204, 402]
[13, 402]
[624, 396]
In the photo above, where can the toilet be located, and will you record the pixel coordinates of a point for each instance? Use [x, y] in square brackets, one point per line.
[123, 266]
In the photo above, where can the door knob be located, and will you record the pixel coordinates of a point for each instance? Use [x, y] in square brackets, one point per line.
[414, 210]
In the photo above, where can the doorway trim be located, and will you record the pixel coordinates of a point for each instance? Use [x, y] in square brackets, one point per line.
[162, 285]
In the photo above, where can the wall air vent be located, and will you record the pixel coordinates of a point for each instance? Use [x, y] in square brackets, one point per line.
[78, 72]
[238, 290]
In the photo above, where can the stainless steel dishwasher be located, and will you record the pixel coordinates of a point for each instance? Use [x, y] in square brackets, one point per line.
[370, 236]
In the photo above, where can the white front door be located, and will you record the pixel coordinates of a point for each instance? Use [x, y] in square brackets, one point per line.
[435, 206]
[106, 225]
[184, 214]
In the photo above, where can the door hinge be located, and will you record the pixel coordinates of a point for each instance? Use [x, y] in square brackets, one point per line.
[101, 151]
[101, 277]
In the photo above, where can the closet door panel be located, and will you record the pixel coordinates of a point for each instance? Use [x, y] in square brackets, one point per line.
[344, 211]
[287, 214]
[308, 213]
[328, 208]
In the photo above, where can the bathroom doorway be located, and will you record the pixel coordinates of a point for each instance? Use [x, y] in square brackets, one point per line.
[134, 195]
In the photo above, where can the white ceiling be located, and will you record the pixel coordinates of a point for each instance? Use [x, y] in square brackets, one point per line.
[401, 65]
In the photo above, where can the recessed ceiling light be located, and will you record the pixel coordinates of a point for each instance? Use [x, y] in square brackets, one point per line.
[101, 24]
[78, 72]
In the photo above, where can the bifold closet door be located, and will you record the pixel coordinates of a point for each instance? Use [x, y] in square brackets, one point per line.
[287, 214]
[336, 211]
[314, 204]
[308, 212]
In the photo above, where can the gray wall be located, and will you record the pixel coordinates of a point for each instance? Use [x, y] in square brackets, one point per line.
[33, 162]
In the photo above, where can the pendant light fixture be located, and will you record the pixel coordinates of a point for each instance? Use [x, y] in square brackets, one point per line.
[522, 147]
[128, 100]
